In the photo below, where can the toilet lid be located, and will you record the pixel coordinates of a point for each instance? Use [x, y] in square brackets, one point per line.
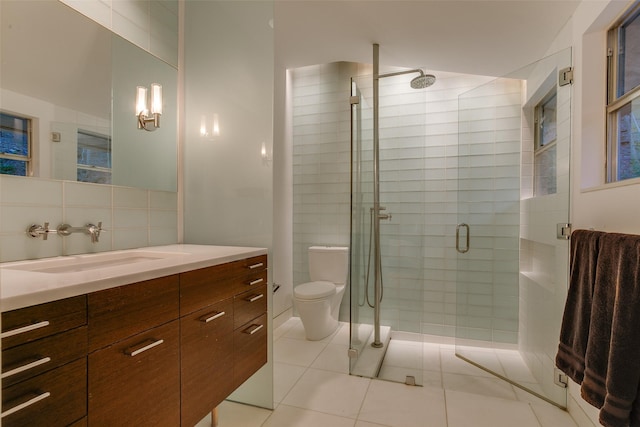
[314, 290]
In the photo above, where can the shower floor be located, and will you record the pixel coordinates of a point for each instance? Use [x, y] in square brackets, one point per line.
[419, 356]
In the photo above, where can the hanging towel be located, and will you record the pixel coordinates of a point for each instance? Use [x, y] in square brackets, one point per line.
[612, 361]
[574, 332]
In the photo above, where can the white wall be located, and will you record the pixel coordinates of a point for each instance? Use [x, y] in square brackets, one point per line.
[593, 204]
[228, 78]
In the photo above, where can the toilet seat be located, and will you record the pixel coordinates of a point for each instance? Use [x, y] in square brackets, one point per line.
[314, 290]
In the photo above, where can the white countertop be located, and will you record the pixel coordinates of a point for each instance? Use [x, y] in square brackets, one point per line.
[20, 287]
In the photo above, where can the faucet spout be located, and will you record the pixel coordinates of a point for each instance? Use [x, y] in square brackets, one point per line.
[90, 229]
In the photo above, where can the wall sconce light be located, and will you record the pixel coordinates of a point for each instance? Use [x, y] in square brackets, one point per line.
[142, 111]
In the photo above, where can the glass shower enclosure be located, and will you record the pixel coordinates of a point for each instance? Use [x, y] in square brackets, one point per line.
[470, 256]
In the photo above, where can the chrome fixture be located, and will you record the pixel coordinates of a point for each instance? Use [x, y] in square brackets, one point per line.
[90, 229]
[420, 82]
[36, 230]
[142, 110]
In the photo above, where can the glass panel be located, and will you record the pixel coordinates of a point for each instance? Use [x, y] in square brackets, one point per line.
[511, 280]
[548, 126]
[628, 149]
[402, 135]
[629, 57]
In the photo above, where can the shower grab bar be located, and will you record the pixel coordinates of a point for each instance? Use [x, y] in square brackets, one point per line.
[466, 248]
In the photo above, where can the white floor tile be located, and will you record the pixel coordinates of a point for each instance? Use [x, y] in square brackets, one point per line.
[466, 409]
[231, 414]
[493, 387]
[406, 354]
[515, 368]
[284, 378]
[288, 416]
[399, 374]
[431, 357]
[399, 405]
[454, 365]
[328, 392]
[297, 352]
[552, 416]
[333, 358]
[342, 335]
[284, 328]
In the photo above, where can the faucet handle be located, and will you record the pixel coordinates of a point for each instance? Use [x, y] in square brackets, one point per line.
[94, 231]
[36, 230]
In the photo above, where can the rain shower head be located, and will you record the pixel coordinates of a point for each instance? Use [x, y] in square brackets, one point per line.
[423, 80]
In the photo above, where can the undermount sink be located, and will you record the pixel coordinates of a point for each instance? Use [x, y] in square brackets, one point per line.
[78, 263]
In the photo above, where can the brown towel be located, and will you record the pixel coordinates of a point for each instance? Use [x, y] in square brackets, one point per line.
[574, 332]
[612, 362]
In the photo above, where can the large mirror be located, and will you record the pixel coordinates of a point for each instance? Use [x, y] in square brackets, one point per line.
[67, 98]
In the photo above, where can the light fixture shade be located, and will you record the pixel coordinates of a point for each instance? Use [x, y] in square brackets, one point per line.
[156, 98]
[141, 100]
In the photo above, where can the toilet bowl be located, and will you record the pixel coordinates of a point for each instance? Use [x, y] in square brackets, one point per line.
[318, 301]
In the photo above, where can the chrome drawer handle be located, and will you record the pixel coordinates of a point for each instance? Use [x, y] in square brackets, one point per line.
[255, 298]
[258, 265]
[25, 367]
[24, 329]
[255, 282]
[255, 329]
[208, 318]
[26, 404]
[132, 353]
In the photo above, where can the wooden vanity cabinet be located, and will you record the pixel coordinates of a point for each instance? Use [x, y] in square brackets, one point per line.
[162, 352]
[134, 359]
[44, 364]
[221, 295]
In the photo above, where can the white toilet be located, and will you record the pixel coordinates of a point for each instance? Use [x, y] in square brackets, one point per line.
[318, 301]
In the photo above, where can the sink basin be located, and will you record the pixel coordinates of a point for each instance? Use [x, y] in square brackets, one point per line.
[78, 263]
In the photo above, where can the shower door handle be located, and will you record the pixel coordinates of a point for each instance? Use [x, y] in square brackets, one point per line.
[466, 247]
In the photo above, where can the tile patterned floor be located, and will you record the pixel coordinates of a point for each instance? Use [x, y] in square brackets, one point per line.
[312, 388]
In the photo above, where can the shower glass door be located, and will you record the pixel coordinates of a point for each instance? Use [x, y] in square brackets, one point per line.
[513, 190]
[401, 194]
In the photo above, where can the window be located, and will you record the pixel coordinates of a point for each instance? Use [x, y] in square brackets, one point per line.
[623, 98]
[94, 157]
[545, 145]
[15, 145]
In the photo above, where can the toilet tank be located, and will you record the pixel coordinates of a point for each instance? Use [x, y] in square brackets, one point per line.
[329, 263]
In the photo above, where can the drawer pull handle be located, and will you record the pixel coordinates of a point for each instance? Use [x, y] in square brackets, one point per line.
[24, 329]
[132, 353]
[255, 282]
[26, 404]
[208, 318]
[255, 298]
[26, 367]
[255, 329]
[258, 265]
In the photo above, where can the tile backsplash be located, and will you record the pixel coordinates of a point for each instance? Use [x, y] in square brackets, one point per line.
[131, 217]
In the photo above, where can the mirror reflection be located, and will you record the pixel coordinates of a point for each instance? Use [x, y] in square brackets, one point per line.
[67, 101]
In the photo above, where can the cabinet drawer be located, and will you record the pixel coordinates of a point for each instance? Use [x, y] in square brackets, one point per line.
[199, 288]
[31, 359]
[206, 361]
[39, 321]
[249, 305]
[250, 349]
[55, 398]
[118, 313]
[250, 281]
[137, 381]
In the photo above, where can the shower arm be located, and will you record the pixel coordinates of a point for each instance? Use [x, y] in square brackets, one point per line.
[400, 73]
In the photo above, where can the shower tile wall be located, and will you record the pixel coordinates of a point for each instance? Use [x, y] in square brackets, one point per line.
[321, 162]
[131, 217]
[418, 162]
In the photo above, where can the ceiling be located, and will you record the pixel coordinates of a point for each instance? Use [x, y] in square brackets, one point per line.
[476, 37]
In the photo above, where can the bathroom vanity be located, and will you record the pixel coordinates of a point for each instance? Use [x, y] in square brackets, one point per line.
[154, 337]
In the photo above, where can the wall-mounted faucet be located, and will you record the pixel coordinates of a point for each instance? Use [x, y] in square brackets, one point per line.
[90, 229]
[36, 230]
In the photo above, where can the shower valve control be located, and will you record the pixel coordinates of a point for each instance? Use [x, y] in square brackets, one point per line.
[383, 215]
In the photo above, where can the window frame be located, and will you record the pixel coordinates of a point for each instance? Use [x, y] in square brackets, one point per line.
[538, 148]
[28, 159]
[616, 101]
